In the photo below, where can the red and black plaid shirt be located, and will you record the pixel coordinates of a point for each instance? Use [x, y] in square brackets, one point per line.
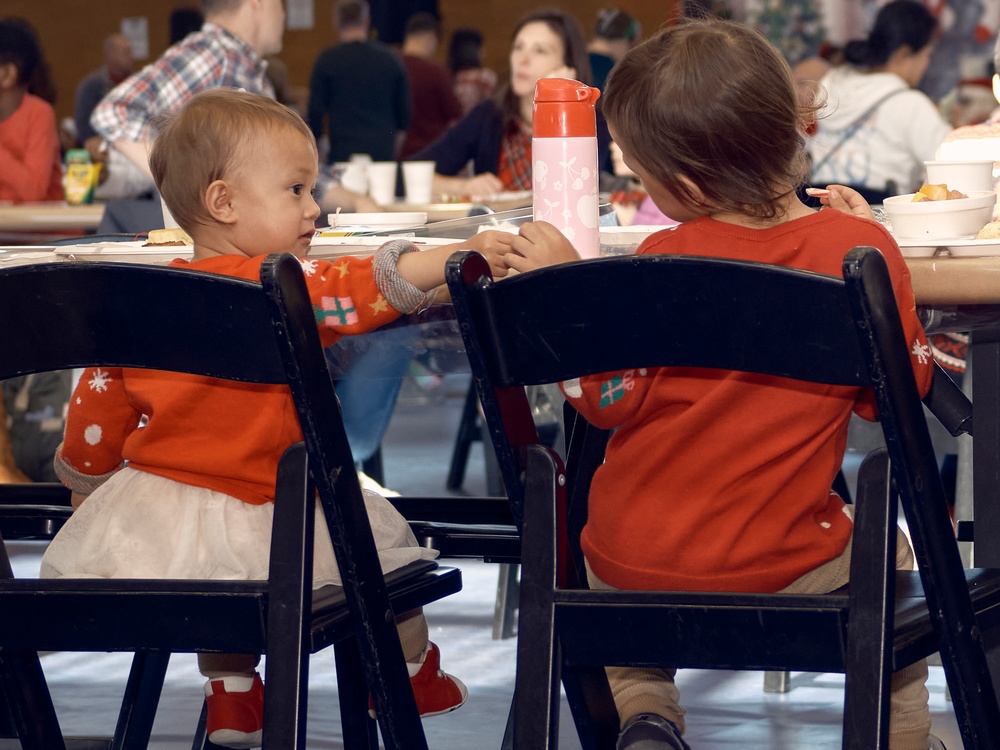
[514, 169]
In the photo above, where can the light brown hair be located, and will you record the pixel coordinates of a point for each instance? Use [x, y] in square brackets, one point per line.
[208, 139]
[715, 102]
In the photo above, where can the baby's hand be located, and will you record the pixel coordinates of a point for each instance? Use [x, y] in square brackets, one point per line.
[538, 244]
[493, 246]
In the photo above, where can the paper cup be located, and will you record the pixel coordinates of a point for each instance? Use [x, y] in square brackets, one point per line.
[352, 176]
[970, 176]
[382, 181]
[418, 177]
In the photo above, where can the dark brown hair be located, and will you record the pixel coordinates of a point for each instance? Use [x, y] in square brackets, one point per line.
[567, 28]
[207, 140]
[715, 102]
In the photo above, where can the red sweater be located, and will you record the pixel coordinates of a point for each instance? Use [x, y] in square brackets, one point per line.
[717, 480]
[30, 167]
[221, 435]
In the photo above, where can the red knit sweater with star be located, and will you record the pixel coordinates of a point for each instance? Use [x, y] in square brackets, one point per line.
[220, 435]
[717, 480]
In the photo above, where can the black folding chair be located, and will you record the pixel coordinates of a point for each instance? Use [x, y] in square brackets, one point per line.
[542, 327]
[64, 315]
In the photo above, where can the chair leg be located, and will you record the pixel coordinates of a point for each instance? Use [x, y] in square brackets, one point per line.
[373, 466]
[357, 727]
[142, 696]
[777, 682]
[505, 609]
[468, 433]
[30, 702]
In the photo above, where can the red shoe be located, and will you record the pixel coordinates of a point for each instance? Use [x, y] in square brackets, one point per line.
[235, 711]
[436, 692]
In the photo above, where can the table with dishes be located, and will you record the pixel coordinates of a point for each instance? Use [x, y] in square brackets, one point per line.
[956, 282]
[50, 217]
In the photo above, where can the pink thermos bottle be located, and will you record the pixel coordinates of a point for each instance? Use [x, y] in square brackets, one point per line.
[564, 160]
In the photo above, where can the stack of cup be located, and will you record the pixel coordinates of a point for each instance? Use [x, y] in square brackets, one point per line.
[418, 178]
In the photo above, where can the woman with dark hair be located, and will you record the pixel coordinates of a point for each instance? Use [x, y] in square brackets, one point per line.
[496, 134]
[875, 129]
[473, 82]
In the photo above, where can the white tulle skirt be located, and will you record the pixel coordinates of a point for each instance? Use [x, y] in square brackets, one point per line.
[139, 525]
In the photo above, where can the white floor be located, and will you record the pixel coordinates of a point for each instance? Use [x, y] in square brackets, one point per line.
[726, 710]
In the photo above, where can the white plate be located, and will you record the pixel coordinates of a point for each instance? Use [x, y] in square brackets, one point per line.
[388, 218]
[322, 247]
[123, 248]
[958, 247]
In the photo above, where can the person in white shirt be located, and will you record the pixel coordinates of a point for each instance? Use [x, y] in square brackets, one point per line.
[874, 128]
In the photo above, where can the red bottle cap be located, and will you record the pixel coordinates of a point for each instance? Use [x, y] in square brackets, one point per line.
[564, 108]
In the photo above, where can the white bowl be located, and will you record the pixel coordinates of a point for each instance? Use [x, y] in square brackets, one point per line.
[967, 176]
[936, 220]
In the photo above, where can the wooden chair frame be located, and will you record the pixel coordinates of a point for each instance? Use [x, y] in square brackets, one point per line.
[80, 314]
[541, 327]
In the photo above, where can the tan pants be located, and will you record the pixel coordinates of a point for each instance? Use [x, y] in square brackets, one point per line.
[638, 691]
[412, 628]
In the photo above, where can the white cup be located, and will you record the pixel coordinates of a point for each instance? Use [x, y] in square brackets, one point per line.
[382, 182]
[353, 176]
[418, 176]
[971, 176]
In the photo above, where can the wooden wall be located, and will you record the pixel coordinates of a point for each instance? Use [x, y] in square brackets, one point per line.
[72, 30]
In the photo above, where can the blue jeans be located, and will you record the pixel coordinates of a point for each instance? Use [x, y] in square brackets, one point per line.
[369, 370]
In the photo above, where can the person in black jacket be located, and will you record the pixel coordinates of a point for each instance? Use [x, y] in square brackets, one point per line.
[496, 134]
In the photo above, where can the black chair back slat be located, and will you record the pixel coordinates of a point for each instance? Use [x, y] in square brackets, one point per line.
[616, 314]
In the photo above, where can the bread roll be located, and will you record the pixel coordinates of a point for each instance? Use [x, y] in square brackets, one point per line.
[174, 237]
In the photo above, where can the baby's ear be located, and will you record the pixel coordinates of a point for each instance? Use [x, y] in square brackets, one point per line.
[218, 202]
[996, 86]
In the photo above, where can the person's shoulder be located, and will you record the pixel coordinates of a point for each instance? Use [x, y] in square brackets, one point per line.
[37, 107]
[235, 265]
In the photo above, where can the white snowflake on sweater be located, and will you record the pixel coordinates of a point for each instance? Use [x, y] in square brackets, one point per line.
[921, 351]
[308, 267]
[100, 381]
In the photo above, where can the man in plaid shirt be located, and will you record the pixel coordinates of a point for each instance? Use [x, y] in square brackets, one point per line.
[228, 51]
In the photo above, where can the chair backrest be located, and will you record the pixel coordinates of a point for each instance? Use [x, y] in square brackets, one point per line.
[79, 314]
[617, 313]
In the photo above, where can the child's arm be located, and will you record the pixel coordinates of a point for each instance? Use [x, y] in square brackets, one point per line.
[99, 420]
[609, 399]
[538, 244]
[425, 269]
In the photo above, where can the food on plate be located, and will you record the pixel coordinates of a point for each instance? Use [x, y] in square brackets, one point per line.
[989, 232]
[174, 237]
[929, 192]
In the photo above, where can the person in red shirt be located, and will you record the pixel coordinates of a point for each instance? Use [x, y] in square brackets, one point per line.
[717, 480]
[190, 494]
[30, 164]
[433, 104]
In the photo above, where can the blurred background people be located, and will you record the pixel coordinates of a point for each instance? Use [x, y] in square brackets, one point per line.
[433, 104]
[95, 85]
[30, 157]
[184, 21]
[875, 129]
[473, 83]
[617, 32]
[496, 134]
[358, 92]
